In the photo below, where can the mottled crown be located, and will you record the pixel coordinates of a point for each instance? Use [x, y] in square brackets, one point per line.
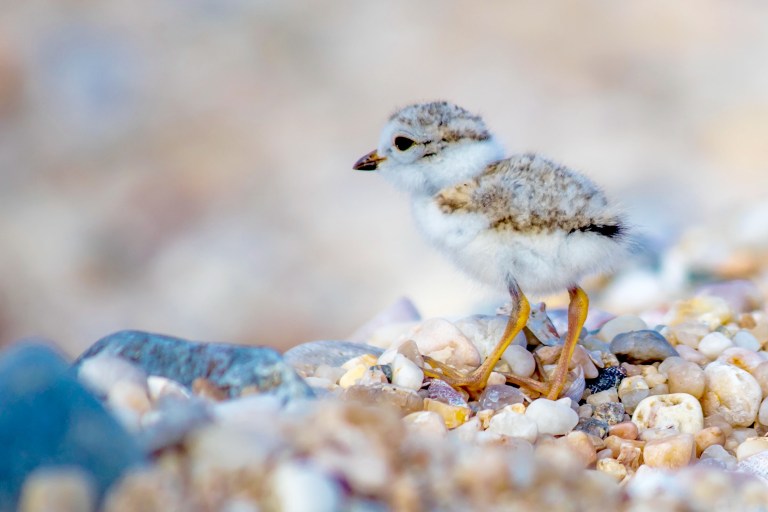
[451, 122]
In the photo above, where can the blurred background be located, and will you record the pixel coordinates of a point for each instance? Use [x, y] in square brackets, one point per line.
[185, 166]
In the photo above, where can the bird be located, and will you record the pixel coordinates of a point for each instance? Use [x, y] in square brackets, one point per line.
[522, 223]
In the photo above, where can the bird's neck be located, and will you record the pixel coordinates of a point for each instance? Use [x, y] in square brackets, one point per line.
[459, 164]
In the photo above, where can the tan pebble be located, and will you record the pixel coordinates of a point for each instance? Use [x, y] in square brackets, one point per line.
[612, 468]
[469, 431]
[652, 434]
[634, 383]
[672, 452]
[608, 395]
[520, 361]
[692, 355]
[632, 370]
[580, 444]
[747, 321]
[498, 379]
[760, 373]
[404, 400]
[518, 408]
[485, 417]
[707, 437]
[206, 389]
[452, 415]
[668, 363]
[630, 456]
[686, 377]
[751, 447]
[731, 392]
[372, 376]
[129, 395]
[161, 387]
[409, 349]
[444, 342]
[716, 420]
[660, 389]
[548, 355]
[680, 411]
[762, 414]
[425, 422]
[655, 379]
[581, 358]
[65, 489]
[365, 360]
[605, 453]
[585, 411]
[687, 334]
[742, 358]
[614, 443]
[624, 430]
[353, 375]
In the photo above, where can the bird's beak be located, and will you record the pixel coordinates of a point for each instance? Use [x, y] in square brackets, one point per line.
[369, 162]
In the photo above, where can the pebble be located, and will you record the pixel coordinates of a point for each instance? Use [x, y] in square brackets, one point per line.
[742, 358]
[453, 415]
[353, 375]
[746, 340]
[713, 344]
[751, 447]
[580, 445]
[62, 489]
[298, 487]
[707, 437]
[679, 411]
[692, 355]
[99, 374]
[760, 373]
[686, 377]
[687, 334]
[642, 346]
[444, 342]
[609, 412]
[608, 378]
[592, 426]
[307, 357]
[441, 391]
[762, 413]
[428, 423]
[624, 430]
[671, 452]
[513, 424]
[720, 454]
[405, 373]
[613, 468]
[620, 324]
[404, 400]
[497, 397]
[552, 417]
[609, 395]
[160, 387]
[732, 393]
[756, 465]
[520, 361]
[485, 331]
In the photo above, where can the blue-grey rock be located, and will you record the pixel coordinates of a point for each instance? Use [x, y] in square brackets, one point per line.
[230, 367]
[47, 418]
[308, 356]
[645, 346]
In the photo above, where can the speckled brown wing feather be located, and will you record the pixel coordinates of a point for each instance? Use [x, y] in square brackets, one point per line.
[528, 193]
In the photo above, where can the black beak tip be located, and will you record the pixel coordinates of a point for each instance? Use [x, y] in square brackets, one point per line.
[364, 165]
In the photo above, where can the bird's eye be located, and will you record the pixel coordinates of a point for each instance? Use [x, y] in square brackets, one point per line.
[403, 143]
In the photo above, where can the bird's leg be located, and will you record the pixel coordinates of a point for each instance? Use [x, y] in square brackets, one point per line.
[577, 315]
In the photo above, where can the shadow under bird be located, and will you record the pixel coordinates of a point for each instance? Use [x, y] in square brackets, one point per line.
[523, 223]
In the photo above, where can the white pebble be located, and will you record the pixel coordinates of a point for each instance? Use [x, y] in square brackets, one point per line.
[101, 372]
[762, 415]
[406, 374]
[302, 488]
[747, 340]
[741, 358]
[751, 447]
[429, 423]
[713, 344]
[605, 396]
[732, 393]
[514, 424]
[520, 361]
[443, 341]
[620, 324]
[553, 417]
[680, 411]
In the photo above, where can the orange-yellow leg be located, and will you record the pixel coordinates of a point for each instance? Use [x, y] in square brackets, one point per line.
[477, 379]
[577, 315]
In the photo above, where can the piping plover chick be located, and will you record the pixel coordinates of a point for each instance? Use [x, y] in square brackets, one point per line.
[523, 223]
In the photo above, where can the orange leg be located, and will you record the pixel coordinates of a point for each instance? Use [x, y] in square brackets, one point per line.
[577, 315]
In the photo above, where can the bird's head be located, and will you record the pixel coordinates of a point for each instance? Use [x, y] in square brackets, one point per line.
[428, 146]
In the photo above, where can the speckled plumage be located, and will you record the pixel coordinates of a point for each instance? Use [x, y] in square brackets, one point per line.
[523, 219]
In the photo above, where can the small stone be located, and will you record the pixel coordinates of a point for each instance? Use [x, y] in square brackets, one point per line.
[128, 395]
[707, 437]
[405, 373]
[62, 489]
[624, 430]
[496, 379]
[609, 412]
[751, 447]
[409, 349]
[444, 342]
[687, 334]
[206, 389]
[147, 488]
[632, 390]
[582, 358]
[692, 355]
[713, 344]
[613, 468]
[99, 374]
[441, 391]
[679, 411]
[620, 324]
[453, 415]
[671, 452]
[609, 395]
[485, 331]
[737, 437]
[580, 445]
[741, 358]
[686, 377]
[585, 411]
[631, 399]
[498, 397]
[553, 417]
[353, 375]
[405, 400]
[160, 387]
[428, 423]
[644, 346]
[513, 424]
[608, 378]
[746, 340]
[762, 414]
[760, 373]
[592, 426]
[732, 393]
[520, 361]
[298, 487]
[718, 453]
[372, 376]
[306, 358]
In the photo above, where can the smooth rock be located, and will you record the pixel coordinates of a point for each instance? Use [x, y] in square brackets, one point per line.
[231, 367]
[49, 419]
[160, 387]
[441, 391]
[608, 378]
[717, 452]
[624, 430]
[298, 487]
[498, 397]
[671, 452]
[713, 344]
[552, 417]
[520, 361]
[171, 421]
[745, 359]
[692, 355]
[59, 489]
[620, 324]
[444, 342]
[513, 424]
[609, 395]
[641, 347]
[613, 468]
[679, 411]
[405, 373]
[404, 400]
[731, 393]
[579, 444]
[592, 426]
[762, 413]
[99, 374]
[453, 415]
[707, 437]
[751, 447]
[306, 357]
[428, 423]
[686, 377]
[485, 331]
[746, 340]
[760, 373]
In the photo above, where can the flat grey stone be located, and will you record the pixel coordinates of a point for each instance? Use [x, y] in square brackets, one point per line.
[308, 356]
[646, 346]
